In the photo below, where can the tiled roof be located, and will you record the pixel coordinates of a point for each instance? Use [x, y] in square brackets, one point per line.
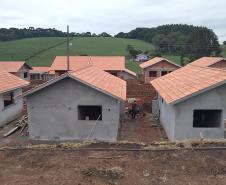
[95, 78]
[155, 61]
[130, 72]
[10, 82]
[40, 70]
[12, 66]
[187, 82]
[77, 62]
[207, 61]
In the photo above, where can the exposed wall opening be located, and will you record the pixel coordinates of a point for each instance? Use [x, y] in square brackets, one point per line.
[207, 118]
[114, 74]
[89, 112]
[25, 74]
[152, 73]
[8, 99]
[163, 73]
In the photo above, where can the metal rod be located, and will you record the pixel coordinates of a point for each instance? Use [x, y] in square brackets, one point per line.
[68, 52]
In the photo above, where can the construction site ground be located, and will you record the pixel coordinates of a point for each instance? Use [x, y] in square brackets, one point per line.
[142, 156]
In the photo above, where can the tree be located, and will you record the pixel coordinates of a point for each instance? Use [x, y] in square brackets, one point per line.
[192, 41]
[224, 42]
[104, 34]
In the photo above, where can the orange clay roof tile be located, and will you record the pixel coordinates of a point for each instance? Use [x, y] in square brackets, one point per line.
[187, 81]
[40, 69]
[102, 62]
[106, 63]
[206, 61]
[95, 78]
[12, 66]
[10, 82]
[102, 80]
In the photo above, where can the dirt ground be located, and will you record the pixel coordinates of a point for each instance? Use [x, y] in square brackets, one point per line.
[68, 164]
[142, 129]
[127, 168]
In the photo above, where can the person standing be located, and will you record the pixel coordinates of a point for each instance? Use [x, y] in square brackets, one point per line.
[134, 110]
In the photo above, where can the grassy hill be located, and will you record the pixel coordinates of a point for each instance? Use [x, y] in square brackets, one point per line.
[23, 49]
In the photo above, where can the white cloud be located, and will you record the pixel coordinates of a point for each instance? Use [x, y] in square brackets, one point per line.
[113, 16]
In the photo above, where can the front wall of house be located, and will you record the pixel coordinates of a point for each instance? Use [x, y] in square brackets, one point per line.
[214, 99]
[53, 112]
[161, 66]
[11, 112]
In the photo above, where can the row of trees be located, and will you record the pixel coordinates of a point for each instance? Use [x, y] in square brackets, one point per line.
[15, 33]
[185, 40]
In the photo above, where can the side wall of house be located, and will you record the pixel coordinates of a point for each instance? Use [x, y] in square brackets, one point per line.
[213, 99]
[167, 117]
[12, 111]
[53, 112]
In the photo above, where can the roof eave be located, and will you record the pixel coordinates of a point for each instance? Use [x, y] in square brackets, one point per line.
[12, 89]
[197, 93]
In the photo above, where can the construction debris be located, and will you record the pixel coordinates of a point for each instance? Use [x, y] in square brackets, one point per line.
[21, 124]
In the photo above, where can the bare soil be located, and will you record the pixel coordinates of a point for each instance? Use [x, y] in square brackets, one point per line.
[44, 164]
[142, 129]
[27, 167]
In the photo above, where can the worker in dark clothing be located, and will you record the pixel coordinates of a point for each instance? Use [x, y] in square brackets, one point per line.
[134, 110]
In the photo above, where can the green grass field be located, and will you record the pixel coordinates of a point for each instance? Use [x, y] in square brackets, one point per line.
[22, 49]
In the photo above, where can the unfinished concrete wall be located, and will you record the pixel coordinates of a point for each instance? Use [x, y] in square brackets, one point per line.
[53, 112]
[21, 72]
[213, 99]
[125, 76]
[167, 117]
[10, 112]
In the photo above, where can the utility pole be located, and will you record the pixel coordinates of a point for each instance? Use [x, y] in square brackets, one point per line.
[68, 52]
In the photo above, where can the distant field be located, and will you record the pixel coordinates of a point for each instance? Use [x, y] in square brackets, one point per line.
[21, 49]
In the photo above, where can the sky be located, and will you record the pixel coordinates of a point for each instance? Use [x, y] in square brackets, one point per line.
[113, 16]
